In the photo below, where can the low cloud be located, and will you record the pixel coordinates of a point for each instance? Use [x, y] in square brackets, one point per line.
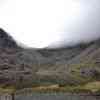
[51, 23]
[83, 27]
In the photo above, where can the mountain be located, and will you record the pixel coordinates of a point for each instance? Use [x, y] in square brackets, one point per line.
[70, 65]
[6, 41]
[75, 65]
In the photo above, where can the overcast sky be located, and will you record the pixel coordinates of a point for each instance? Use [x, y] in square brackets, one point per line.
[39, 23]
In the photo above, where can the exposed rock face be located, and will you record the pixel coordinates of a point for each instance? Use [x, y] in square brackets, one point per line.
[23, 67]
[6, 41]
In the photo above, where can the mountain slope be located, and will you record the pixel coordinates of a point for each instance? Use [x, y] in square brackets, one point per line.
[25, 67]
[80, 68]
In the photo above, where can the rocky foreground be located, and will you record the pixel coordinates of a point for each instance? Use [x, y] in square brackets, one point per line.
[20, 67]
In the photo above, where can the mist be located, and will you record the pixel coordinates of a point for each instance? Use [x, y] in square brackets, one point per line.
[51, 23]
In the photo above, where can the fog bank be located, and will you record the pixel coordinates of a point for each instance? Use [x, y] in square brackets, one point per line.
[51, 23]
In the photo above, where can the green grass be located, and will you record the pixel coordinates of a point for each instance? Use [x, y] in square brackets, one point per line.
[76, 72]
[8, 89]
[86, 84]
[91, 87]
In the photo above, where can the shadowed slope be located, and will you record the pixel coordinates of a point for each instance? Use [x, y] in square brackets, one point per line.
[7, 41]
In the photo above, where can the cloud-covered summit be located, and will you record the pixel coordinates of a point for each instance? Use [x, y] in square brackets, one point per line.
[42, 23]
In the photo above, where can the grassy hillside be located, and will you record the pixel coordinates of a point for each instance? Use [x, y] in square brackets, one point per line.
[69, 68]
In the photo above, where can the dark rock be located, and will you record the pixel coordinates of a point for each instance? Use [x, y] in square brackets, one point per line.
[6, 41]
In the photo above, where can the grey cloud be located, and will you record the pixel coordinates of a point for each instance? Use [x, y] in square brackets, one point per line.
[83, 28]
